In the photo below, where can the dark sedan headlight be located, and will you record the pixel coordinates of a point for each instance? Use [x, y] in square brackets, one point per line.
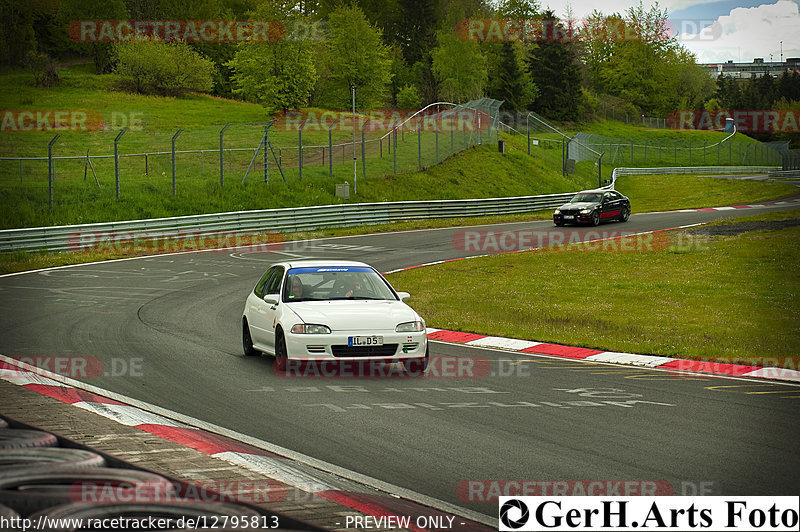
[411, 326]
[586, 211]
[310, 328]
[557, 211]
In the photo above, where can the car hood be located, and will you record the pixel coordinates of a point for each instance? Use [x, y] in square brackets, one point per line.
[354, 315]
[578, 206]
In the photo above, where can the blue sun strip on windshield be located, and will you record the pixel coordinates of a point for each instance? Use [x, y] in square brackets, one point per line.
[330, 269]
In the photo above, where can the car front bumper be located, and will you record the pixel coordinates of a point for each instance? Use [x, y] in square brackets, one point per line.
[576, 218]
[334, 346]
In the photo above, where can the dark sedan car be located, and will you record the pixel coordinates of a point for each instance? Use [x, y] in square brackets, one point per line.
[593, 207]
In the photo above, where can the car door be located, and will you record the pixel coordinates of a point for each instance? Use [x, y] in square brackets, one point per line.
[609, 207]
[262, 314]
[271, 311]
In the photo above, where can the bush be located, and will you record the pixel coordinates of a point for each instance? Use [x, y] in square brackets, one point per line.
[163, 68]
[43, 68]
[408, 98]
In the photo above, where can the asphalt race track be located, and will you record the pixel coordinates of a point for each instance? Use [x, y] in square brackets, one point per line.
[167, 330]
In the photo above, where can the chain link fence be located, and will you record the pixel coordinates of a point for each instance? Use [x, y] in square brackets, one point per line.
[76, 167]
[679, 152]
[579, 163]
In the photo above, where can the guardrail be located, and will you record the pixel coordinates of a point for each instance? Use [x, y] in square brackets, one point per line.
[70, 237]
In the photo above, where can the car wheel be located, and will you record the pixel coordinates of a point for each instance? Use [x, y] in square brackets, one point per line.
[247, 341]
[626, 213]
[596, 218]
[280, 351]
[558, 224]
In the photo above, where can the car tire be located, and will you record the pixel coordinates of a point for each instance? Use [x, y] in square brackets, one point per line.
[626, 213]
[22, 438]
[21, 492]
[558, 224]
[13, 460]
[247, 341]
[281, 356]
[596, 218]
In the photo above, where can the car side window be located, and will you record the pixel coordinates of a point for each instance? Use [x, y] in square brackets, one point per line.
[616, 196]
[259, 289]
[274, 281]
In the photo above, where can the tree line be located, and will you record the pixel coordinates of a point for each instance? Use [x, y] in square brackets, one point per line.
[403, 53]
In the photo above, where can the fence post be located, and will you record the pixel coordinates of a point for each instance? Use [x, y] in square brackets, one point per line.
[175, 136]
[20, 171]
[528, 131]
[394, 148]
[266, 154]
[222, 156]
[419, 145]
[436, 136]
[600, 170]
[330, 148]
[51, 169]
[563, 157]
[300, 150]
[478, 119]
[116, 161]
[363, 149]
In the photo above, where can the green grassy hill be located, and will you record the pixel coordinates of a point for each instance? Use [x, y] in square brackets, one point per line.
[146, 183]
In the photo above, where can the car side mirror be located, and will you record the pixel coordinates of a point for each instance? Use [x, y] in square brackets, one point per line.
[271, 299]
[404, 296]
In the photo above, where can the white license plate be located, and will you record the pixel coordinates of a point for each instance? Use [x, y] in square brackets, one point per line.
[570, 217]
[364, 340]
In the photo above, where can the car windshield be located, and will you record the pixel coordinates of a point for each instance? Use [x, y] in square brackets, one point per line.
[588, 198]
[325, 283]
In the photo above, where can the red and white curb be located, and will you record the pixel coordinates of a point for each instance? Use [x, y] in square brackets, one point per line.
[361, 494]
[597, 355]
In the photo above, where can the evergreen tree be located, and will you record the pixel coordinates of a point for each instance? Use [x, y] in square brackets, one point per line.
[509, 79]
[416, 26]
[555, 70]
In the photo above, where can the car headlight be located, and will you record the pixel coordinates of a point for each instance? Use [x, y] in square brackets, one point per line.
[557, 211]
[586, 211]
[411, 326]
[310, 328]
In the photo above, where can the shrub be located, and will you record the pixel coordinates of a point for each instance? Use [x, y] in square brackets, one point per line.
[43, 68]
[408, 98]
[163, 68]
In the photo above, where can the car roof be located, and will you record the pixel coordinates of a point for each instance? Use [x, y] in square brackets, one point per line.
[319, 262]
[595, 191]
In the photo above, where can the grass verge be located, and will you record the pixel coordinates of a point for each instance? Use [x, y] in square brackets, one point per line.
[667, 192]
[686, 295]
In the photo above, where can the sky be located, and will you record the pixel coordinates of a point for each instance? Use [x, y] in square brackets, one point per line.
[716, 31]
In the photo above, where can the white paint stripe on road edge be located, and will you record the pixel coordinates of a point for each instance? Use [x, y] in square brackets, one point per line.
[309, 461]
[671, 371]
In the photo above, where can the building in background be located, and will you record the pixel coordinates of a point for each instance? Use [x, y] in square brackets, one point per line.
[757, 68]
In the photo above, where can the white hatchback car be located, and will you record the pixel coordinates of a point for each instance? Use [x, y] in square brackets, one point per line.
[331, 311]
